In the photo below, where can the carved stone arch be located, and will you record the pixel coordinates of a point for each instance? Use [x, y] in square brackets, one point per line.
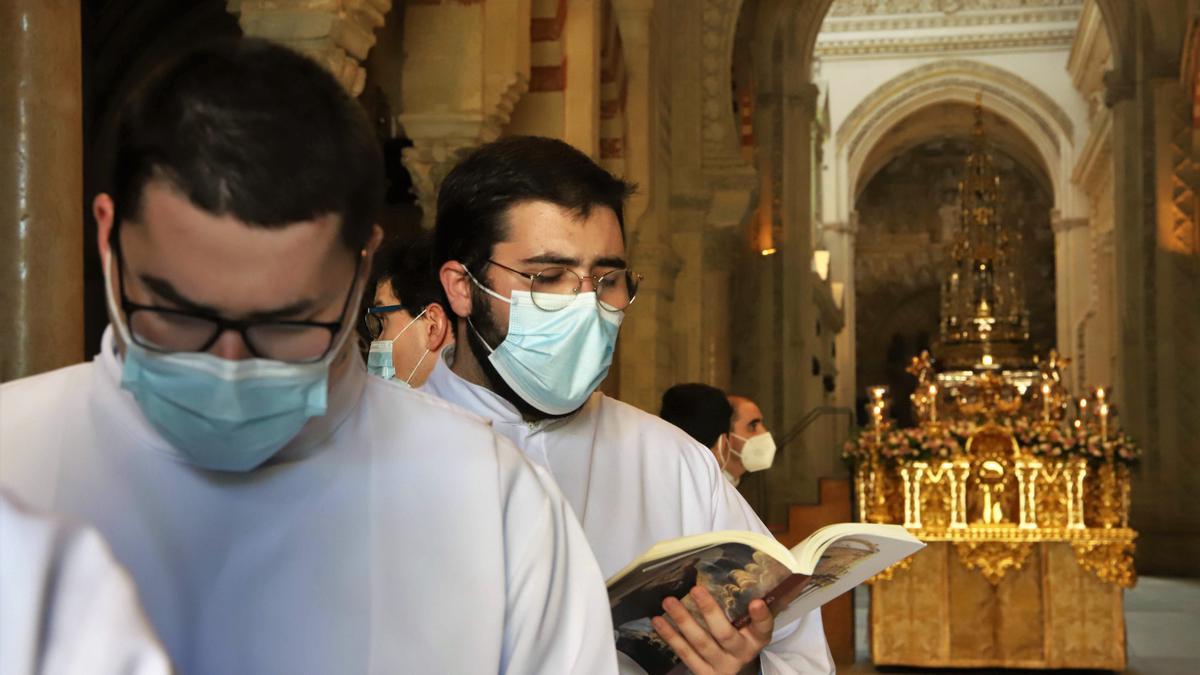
[719, 135]
[806, 25]
[1041, 121]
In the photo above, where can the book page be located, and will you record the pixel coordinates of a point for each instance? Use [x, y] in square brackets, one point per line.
[843, 556]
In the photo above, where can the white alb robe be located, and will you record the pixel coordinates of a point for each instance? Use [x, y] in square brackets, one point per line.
[634, 480]
[66, 606]
[396, 533]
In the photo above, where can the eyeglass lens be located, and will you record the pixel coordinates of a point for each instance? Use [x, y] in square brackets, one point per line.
[614, 291]
[164, 330]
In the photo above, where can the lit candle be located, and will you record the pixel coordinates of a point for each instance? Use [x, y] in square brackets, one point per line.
[933, 391]
[1046, 402]
[1103, 422]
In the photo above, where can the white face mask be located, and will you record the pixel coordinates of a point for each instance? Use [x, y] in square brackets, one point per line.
[758, 452]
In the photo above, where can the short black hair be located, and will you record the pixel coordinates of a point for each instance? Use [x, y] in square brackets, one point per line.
[702, 411]
[407, 265]
[475, 196]
[254, 130]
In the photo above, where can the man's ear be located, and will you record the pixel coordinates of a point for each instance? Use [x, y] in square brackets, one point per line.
[457, 286]
[374, 241]
[438, 331]
[104, 212]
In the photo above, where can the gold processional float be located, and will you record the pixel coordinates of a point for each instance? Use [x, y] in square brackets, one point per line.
[1003, 460]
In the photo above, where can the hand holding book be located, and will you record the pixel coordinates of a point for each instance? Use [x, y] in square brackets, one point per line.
[709, 643]
[738, 569]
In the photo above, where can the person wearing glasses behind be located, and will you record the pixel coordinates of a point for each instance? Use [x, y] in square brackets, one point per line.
[530, 246]
[408, 324]
[279, 510]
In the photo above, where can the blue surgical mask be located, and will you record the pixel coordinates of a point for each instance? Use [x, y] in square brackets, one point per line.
[554, 360]
[218, 413]
[380, 359]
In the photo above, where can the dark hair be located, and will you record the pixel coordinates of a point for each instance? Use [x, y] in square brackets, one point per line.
[254, 130]
[702, 411]
[475, 196]
[407, 264]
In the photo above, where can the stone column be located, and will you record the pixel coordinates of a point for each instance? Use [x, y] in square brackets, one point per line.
[1133, 202]
[841, 238]
[796, 247]
[41, 187]
[645, 337]
[793, 480]
[721, 253]
[581, 56]
[1176, 306]
[338, 34]
[1099, 368]
[1072, 281]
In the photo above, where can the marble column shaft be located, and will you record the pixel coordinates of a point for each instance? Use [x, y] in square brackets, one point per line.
[41, 187]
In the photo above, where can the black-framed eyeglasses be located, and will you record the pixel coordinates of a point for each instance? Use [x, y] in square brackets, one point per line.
[615, 290]
[163, 329]
[375, 316]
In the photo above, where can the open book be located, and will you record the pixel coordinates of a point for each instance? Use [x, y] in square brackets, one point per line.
[737, 567]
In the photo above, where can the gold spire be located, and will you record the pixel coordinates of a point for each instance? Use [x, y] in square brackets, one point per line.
[984, 323]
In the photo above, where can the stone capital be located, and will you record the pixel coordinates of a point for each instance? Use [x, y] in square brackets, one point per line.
[1118, 87]
[803, 96]
[658, 261]
[428, 161]
[338, 34]
[1064, 225]
[844, 229]
[722, 248]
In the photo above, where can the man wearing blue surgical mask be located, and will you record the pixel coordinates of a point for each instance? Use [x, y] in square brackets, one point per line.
[408, 323]
[531, 247]
[279, 510]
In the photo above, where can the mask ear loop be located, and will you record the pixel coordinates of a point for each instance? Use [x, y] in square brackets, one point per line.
[494, 294]
[408, 380]
[407, 326]
[728, 449]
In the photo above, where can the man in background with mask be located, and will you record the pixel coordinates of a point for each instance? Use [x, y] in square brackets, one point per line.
[731, 426]
[748, 446]
[279, 510]
[531, 248]
[408, 322]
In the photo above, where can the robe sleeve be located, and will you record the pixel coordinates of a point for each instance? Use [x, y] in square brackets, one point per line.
[799, 647]
[557, 614]
[67, 606]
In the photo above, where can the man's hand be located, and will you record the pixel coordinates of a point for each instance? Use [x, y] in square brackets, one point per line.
[722, 649]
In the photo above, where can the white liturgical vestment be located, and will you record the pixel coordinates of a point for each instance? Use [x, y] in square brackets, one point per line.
[395, 534]
[634, 480]
[66, 607]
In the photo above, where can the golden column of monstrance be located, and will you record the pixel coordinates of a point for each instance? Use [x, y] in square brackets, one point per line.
[1002, 451]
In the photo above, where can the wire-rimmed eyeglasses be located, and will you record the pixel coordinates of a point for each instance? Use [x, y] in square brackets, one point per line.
[615, 290]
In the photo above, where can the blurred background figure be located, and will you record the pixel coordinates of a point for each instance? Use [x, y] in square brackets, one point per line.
[66, 606]
[729, 425]
[407, 323]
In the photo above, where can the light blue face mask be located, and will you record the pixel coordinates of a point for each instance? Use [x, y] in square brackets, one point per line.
[221, 414]
[554, 360]
[380, 355]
